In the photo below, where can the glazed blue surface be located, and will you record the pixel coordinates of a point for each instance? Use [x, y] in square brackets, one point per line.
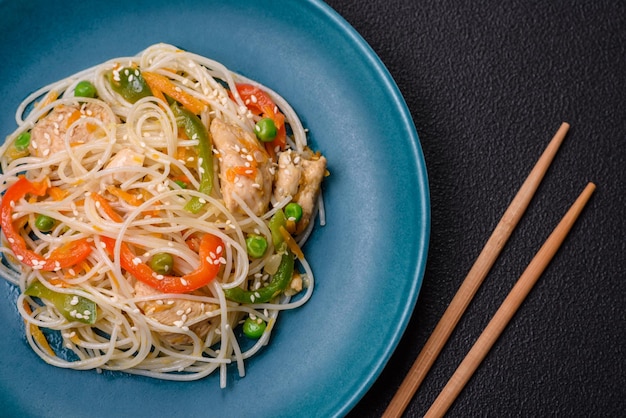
[369, 259]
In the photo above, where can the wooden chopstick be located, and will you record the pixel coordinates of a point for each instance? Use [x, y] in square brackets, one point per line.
[474, 278]
[508, 308]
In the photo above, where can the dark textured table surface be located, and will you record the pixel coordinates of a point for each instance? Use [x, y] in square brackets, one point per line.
[488, 83]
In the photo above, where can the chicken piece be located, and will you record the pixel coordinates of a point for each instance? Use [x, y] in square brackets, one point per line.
[244, 168]
[176, 312]
[300, 176]
[48, 135]
[127, 158]
[287, 177]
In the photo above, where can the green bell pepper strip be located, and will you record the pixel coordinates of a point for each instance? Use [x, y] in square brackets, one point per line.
[279, 283]
[129, 83]
[195, 129]
[72, 307]
[276, 221]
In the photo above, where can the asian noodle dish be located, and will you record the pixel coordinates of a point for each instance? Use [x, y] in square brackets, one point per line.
[153, 212]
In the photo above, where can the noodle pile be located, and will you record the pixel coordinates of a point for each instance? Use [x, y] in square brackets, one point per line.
[140, 204]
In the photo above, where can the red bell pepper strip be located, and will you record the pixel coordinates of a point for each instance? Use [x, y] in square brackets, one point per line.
[66, 255]
[261, 104]
[211, 249]
[210, 252]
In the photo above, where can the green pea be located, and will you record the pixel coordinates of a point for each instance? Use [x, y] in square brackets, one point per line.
[293, 211]
[162, 263]
[265, 130]
[85, 89]
[22, 141]
[254, 328]
[256, 245]
[44, 223]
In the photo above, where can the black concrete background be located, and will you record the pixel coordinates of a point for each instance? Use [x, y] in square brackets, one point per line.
[488, 83]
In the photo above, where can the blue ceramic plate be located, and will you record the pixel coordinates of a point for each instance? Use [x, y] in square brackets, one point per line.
[369, 258]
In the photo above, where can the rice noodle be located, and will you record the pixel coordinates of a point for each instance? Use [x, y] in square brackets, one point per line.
[124, 337]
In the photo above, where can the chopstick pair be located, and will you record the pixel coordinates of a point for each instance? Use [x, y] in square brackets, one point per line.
[472, 282]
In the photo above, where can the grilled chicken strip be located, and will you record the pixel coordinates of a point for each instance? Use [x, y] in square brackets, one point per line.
[176, 312]
[300, 176]
[48, 135]
[128, 159]
[244, 168]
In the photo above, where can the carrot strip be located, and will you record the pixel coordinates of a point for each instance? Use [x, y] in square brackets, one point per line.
[57, 193]
[104, 204]
[129, 198]
[50, 97]
[37, 334]
[158, 82]
[291, 243]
